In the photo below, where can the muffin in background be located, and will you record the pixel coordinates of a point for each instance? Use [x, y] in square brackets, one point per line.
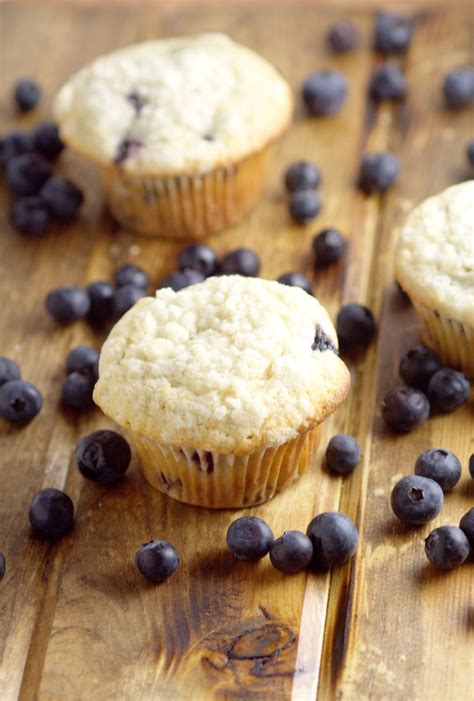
[223, 386]
[434, 264]
[180, 129]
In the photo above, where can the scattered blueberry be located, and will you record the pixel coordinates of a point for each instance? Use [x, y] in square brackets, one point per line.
[20, 401]
[25, 174]
[304, 205]
[378, 171]
[466, 524]
[292, 552]
[77, 390]
[447, 547]
[471, 465]
[9, 370]
[63, 198]
[3, 566]
[328, 246]
[249, 538]
[343, 37]
[83, 359]
[324, 92]
[51, 513]
[103, 456]
[387, 83]
[30, 215]
[302, 175]
[125, 297]
[355, 325]
[157, 560]
[440, 465]
[470, 152]
[458, 87]
[46, 140]
[101, 302]
[26, 93]
[322, 342]
[334, 538]
[392, 33]
[343, 454]
[448, 389]
[15, 143]
[198, 257]
[405, 408]
[241, 261]
[418, 366]
[416, 500]
[130, 274]
[178, 281]
[66, 304]
[296, 280]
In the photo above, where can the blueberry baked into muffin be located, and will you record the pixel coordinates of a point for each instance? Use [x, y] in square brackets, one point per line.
[223, 386]
[435, 266]
[180, 129]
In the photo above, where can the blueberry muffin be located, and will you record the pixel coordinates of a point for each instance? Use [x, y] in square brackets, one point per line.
[435, 266]
[223, 386]
[180, 129]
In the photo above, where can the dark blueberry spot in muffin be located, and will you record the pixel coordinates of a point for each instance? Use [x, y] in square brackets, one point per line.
[208, 461]
[126, 149]
[208, 137]
[136, 100]
[322, 342]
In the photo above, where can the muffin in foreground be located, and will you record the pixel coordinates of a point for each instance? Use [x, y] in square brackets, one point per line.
[435, 266]
[223, 386]
[180, 129]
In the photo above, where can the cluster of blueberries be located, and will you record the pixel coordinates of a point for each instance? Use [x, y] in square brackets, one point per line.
[418, 499]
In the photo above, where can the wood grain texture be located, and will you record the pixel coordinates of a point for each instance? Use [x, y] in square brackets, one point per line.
[77, 622]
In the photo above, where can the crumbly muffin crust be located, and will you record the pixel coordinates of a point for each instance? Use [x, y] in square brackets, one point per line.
[226, 365]
[174, 106]
[435, 253]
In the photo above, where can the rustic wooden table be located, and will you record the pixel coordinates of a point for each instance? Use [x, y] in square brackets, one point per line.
[77, 621]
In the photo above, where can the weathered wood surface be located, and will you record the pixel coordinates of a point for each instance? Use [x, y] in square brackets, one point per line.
[76, 621]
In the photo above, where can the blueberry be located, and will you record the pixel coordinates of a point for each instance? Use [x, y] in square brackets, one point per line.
[447, 547]
[3, 566]
[198, 257]
[20, 401]
[130, 274]
[51, 513]
[471, 465]
[249, 538]
[241, 261]
[416, 500]
[322, 342]
[355, 325]
[378, 171]
[30, 215]
[441, 466]
[101, 302]
[448, 389]
[15, 143]
[392, 33]
[125, 297]
[324, 92]
[405, 408]
[26, 93]
[470, 152]
[64, 199]
[418, 366]
[292, 552]
[466, 524]
[157, 560]
[328, 246]
[46, 140]
[179, 280]
[77, 389]
[66, 304]
[302, 175]
[83, 359]
[103, 456]
[334, 539]
[343, 454]
[296, 280]
[458, 87]
[304, 205]
[9, 370]
[387, 83]
[343, 37]
[25, 174]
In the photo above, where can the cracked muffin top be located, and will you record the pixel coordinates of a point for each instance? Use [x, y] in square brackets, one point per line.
[230, 365]
[174, 105]
[435, 253]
